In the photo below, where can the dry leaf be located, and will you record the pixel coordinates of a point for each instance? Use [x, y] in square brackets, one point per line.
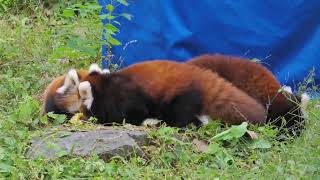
[252, 135]
[200, 145]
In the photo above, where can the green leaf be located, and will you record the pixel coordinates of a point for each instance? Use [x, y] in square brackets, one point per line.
[213, 148]
[5, 167]
[92, 120]
[103, 16]
[44, 119]
[260, 144]
[2, 153]
[79, 6]
[108, 32]
[219, 152]
[113, 41]
[107, 16]
[127, 16]
[26, 110]
[68, 12]
[57, 118]
[111, 27]
[110, 8]
[235, 132]
[224, 157]
[123, 2]
[62, 153]
[110, 17]
[166, 131]
[10, 141]
[94, 6]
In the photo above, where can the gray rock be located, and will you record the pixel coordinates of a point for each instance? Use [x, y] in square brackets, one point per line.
[106, 143]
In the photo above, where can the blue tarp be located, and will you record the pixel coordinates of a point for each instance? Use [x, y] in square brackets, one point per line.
[284, 34]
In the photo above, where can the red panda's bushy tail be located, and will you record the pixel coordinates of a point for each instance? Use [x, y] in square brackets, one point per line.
[228, 103]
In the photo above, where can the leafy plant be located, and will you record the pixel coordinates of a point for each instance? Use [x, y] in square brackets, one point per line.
[309, 84]
[110, 28]
[15, 6]
[87, 43]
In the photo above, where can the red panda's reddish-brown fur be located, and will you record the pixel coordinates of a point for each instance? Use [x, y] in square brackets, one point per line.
[251, 77]
[220, 98]
[61, 103]
[163, 81]
[257, 81]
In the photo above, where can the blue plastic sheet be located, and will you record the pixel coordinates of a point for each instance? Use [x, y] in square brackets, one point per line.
[284, 34]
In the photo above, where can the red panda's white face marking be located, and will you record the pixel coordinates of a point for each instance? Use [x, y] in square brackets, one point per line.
[71, 80]
[85, 93]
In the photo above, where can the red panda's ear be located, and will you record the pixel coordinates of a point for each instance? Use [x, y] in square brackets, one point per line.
[85, 93]
[71, 80]
[95, 68]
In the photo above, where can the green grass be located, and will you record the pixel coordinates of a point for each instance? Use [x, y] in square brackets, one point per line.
[29, 49]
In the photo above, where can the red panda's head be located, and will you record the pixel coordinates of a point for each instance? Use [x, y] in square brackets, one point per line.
[61, 95]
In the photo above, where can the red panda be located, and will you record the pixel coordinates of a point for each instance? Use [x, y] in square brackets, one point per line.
[61, 95]
[259, 83]
[176, 93]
